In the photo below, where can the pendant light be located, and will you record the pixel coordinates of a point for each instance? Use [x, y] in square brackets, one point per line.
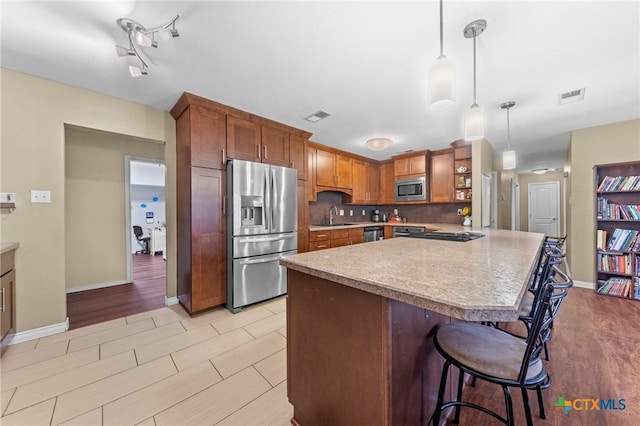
[509, 156]
[442, 78]
[474, 116]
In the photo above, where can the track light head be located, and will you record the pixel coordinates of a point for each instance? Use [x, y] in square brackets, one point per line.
[137, 71]
[123, 51]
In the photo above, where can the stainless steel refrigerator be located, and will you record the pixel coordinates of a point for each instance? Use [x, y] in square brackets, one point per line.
[262, 228]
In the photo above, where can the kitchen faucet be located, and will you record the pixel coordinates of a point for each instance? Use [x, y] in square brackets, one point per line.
[331, 209]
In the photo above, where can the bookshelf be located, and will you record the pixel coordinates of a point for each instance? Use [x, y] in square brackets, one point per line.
[618, 229]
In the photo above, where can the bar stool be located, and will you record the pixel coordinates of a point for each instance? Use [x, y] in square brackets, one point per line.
[494, 356]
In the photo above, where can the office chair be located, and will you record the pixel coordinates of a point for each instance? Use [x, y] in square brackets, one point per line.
[137, 230]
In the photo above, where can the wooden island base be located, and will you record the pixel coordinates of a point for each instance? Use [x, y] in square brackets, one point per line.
[356, 358]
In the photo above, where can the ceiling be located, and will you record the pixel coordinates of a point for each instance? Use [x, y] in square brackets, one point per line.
[364, 62]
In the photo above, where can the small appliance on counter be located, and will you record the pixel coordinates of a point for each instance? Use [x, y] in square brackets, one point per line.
[376, 215]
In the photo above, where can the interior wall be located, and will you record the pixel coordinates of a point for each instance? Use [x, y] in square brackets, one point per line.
[524, 179]
[611, 143]
[95, 214]
[34, 112]
[505, 178]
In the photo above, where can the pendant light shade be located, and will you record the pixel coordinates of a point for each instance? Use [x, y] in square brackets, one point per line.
[509, 160]
[474, 117]
[442, 78]
[508, 156]
[474, 123]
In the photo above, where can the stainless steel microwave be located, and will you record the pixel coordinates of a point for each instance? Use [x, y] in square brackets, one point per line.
[414, 189]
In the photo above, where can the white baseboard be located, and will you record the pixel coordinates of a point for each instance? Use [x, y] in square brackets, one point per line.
[95, 286]
[169, 301]
[37, 333]
[583, 284]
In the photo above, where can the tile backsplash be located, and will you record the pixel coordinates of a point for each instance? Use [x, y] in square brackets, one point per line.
[417, 213]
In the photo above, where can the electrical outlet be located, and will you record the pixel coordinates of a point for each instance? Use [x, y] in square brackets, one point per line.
[350, 212]
[459, 212]
[40, 196]
[341, 212]
[395, 212]
[364, 213]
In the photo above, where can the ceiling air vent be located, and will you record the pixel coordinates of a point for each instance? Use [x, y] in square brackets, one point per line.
[317, 116]
[572, 96]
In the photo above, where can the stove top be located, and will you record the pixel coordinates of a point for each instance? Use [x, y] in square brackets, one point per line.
[447, 236]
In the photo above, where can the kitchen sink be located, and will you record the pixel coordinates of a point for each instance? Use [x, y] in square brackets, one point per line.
[336, 224]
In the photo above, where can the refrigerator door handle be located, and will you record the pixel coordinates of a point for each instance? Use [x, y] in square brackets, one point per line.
[273, 200]
[264, 260]
[267, 201]
[264, 239]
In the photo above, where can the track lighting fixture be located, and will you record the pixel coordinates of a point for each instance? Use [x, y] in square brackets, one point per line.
[140, 36]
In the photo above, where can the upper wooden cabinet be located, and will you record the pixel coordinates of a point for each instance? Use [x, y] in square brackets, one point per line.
[311, 174]
[387, 183]
[333, 170]
[410, 165]
[243, 139]
[442, 176]
[250, 141]
[201, 138]
[298, 155]
[275, 147]
[366, 182]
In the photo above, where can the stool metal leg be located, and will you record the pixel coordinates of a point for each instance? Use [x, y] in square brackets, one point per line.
[508, 405]
[456, 419]
[540, 402]
[443, 384]
[527, 408]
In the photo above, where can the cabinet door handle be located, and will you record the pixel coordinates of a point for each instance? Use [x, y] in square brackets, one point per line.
[319, 246]
[224, 156]
[259, 151]
[3, 306]
[293, 165]
[265, 152]
[224, 205]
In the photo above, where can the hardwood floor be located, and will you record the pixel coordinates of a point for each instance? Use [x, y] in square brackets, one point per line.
[147, 292]
[594, 355]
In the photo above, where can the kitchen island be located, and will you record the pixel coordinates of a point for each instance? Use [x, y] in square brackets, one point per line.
[359, 320]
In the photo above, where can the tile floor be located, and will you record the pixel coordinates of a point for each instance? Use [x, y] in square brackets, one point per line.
[160, 367]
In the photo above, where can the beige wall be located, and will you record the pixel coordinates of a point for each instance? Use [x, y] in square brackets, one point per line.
[524, 179]
[34, 113]
[612, 143]
[95, 207]
[505, 177]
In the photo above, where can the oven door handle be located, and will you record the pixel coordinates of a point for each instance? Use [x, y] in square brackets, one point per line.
[265, 260]
[264, 239]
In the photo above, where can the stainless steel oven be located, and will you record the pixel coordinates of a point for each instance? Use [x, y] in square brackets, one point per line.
[414, 189]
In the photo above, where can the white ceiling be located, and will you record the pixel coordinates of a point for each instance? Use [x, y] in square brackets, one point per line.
[364, 62]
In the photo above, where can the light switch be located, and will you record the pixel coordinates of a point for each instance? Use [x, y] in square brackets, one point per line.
[7, 197]
[341, 212]
[38, 196]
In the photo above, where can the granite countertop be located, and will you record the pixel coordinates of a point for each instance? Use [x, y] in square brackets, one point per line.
[477, 280]
[5, 247]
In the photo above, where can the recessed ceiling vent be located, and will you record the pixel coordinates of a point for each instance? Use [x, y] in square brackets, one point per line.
[317, 116]
[572, 96]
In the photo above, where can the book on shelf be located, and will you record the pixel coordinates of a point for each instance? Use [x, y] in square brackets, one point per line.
[601, 239]
[623, 239]
[606, 210]
[619, 183]
[636, 288]
[617, 286]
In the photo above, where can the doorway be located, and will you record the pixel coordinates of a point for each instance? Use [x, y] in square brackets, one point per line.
[97, 232]
[544, 208]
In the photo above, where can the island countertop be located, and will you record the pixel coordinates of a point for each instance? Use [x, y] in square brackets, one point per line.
[477, 280]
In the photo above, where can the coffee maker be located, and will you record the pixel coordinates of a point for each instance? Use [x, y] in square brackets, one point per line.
[376, 215]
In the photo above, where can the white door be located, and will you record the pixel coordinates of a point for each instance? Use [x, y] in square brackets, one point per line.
[544, 208]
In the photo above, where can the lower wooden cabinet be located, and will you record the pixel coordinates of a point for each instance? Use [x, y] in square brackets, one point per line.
[201, 228]
[319, 240]
[8, 284]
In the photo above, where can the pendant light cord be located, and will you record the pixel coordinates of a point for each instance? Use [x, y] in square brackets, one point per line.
[474, 69]
[508, 130]
[441, 34]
